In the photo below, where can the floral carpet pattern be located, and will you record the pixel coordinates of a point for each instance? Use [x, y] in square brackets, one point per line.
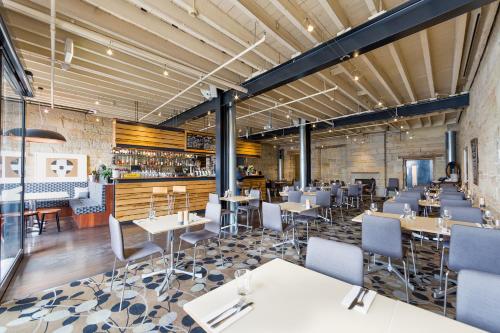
[89, 305]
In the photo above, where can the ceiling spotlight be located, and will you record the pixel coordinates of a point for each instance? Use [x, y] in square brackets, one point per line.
[407, 132]
[109, 51]
[347, 136]
[330, 130]
[274, 146]
[239, 130]
[159, 114]
[314, 125]
[355, 54]
[46, 110]
[291, 140]
[322, 146]
[236, 97]
[97, 119]
[165, 72]
[208, 113]
[262, 134]
[96, 102]
[411, 137]
[310, 27]
[379, 103]
[395, 118]
[401, 126]
[275, 138]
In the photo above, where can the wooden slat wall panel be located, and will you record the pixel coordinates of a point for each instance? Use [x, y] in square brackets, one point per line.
[132, 199]
[248, 148]
[260, 182]
[130, 134]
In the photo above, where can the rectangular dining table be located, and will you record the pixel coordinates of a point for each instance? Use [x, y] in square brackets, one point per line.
[290, 298]
[168, 224]
[235, 201]
[295, 208]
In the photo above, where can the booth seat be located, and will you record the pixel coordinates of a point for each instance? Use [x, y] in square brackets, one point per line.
[95, 203]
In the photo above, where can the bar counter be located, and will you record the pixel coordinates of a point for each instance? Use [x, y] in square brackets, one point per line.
[133, 195]
[255, 182]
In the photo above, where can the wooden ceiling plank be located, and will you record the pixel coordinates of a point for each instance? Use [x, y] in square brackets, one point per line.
[424, 42]
[402, 70]
[460, 26]
[380, 77]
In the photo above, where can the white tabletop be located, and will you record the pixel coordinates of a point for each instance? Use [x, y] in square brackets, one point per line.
[167, 223]
[290, 298]
[237, 198]
[285, 194]
[296, 207]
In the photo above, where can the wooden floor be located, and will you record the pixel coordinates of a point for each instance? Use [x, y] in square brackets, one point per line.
[55, 258]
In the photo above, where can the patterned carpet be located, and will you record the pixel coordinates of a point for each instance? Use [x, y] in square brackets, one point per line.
[89, 306]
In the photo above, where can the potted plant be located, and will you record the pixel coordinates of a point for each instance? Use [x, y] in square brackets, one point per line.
[94, 176]
[106, 174]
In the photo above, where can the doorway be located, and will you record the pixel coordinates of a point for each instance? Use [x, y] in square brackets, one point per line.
[418, 172]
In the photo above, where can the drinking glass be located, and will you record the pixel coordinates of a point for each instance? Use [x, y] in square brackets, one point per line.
[413, 215]
[440, 223]
[407, 209]
[152, 214]
[247, 192]
[373, 207]
[488, 217]
[243, 277]
[446, 215]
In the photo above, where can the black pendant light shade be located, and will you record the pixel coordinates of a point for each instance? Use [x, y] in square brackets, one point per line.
[37, 135]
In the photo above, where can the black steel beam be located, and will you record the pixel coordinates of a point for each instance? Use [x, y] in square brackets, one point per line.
[408, 110]
[198, 111]
[399, 22]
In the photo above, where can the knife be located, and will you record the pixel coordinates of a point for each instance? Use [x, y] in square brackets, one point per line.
[232, 314]
[355, 300]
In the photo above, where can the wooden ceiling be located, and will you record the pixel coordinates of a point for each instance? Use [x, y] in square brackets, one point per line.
[190, 38]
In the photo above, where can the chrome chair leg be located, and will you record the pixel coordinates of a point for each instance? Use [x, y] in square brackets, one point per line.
[413, 257]
[124, 284]
[178, 250]
[166, 267]
[261, 241]
[194, 260]
[220, 250]
[113, 275]
[406, 281]
[260, 218]
[445, 292]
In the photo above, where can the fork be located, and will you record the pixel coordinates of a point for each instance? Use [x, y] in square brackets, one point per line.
[240, 303]
[360, 302]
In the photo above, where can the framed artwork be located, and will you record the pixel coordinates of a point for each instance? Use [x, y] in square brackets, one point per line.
[475, 160]
[10, 167]
[53, 167]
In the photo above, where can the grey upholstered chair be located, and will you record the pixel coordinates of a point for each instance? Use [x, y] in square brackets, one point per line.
[452, 196]
[338, 260]
[339, 201]
[334, 189]
[392, 186]
[382, 236]
[269, 197]
[294, 196]
[210, 231]
[296, 184]
[455, 203]
[478, 299]
[214, 198]
[411, 194]
[252, 207]
[393, 207]
[353, 192]
[272, 221]
[324, 200]
[310, 216]
[448, 188]
[472, 248]
[412, 201]
[464, 214]
[129, 254]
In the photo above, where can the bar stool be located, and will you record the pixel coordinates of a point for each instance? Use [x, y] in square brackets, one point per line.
[49, 211]
[161, 193]
[179, 190]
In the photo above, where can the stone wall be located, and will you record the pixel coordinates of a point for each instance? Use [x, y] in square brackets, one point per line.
[84, 135]
[481, 120]
[268, 162]
[378, 155]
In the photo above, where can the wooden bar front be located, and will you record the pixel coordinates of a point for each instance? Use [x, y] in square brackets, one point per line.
[133, 196]
[252, 182]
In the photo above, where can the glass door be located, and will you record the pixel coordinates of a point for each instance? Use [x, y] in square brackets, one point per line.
[418, 172]
[11, 176]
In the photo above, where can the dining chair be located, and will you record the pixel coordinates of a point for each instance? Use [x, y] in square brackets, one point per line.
[392, 186]
[472, 248]
[269, 198]
[382, 236]
[335, 259]
[339, 201]
[464, 214]
[294, 196]
[214, 198]
[252, 207]
[454, 196]
[478, 299]
[455, 203]
[334, 189]
[392, 207]
[353, 193]
[412, 201]
[307, 217]
[324, 200]
[129, 254]
[211, 230]
[272, 220]
[410, 194]
[449, 188]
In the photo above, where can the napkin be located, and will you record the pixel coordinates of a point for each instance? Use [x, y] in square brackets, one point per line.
[231, 320]
[367, 300]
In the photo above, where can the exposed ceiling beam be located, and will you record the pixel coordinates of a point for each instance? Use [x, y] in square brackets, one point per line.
[402, 70]
[380, 77]
[424, 42]
[460, 26]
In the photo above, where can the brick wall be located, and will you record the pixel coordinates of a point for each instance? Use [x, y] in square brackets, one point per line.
[84, 135]
[481, 120]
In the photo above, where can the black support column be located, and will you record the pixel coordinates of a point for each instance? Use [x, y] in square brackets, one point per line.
[305, 153]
